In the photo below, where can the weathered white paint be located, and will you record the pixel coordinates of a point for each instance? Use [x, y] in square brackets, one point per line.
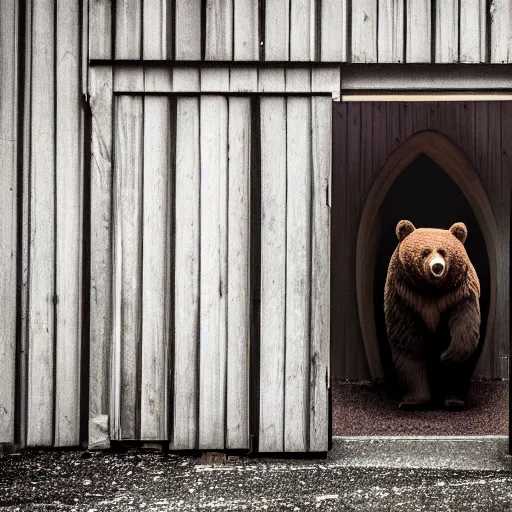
[186, 289]
[447, 31]
[239, 252]
[246, 31]
[364, 31]
[302, 30]
[473, 31]
[157, 19]
[418, 31]
[188, 29]
[333, 31]
[128, 79]
[128, 22]
[501, 31]
[100, 22]
[215, 79]
[158, 80]
[277, 30]
[219, 30]
[243, 79]
[391, 31]
[273, 273]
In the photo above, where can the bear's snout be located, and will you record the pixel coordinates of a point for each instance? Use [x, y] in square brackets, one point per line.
[437, 266]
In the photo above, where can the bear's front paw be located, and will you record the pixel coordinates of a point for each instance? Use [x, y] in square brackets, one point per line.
[454, 404]
[413, 403]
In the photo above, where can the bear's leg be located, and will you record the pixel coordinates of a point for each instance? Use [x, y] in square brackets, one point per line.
[413, 375]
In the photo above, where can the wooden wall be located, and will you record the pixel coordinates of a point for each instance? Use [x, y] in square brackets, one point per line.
[369, 31]
[364, 135]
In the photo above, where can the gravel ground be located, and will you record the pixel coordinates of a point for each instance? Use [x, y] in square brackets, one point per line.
[366, 409]
[346, 480]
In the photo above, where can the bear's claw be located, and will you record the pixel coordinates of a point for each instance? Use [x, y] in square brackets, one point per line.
[454, 404]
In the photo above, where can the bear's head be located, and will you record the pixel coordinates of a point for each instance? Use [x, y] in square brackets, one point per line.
[433, 258]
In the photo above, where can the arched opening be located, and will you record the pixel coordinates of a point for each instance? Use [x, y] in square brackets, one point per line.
[449, 163]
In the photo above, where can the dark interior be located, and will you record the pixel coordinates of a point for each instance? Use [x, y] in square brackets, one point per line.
[428, 197]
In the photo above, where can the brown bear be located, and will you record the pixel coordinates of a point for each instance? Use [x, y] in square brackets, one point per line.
[432, 315]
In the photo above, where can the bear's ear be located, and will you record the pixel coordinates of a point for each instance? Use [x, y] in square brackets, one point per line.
[404, 228]
[459, 231]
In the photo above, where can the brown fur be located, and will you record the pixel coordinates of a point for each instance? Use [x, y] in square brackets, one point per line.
[415, 301]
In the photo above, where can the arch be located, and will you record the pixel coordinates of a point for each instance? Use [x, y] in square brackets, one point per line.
[460, 169]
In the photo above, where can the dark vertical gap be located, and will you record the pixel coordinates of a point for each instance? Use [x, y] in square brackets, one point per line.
[377, 35]
[404, 28]
[285, 270]
[233, 8]
[203, 30]
[172, 266]
[349, 31]
[289, 56]
[458, 29]
[261, 28]
[433, 33]
[488, 34]
[171, 29]
[20, 133]
[141, 34]
[318, 30]
[255, 275]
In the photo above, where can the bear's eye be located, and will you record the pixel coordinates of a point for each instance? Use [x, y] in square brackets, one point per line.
[442, 252]
[425, 253]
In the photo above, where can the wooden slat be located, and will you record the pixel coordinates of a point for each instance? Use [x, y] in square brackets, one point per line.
[391, 45]
[156, 40]
[327, 80]
[100, 90]
[185, 80]
[333, 31]
[418, 30]
[277, 30]
[127, 262]
[238, 340]
[219, 30]
[501, 35]
[298, 80]
[128, 44]
[320, 274]
[273, 273]
[100, 29]
[302, 30]
[213, 273]
[8, 216]
[246, 31]
[128, 79]
[243, 79]
[42, 229]
[473, 31]
[215, 79]
[447, 31]
[188, 29]
[186, 291]
[364, 31]
[69, 226]
[271, 80]
[156, 306]
[158, 79]
[298, 272]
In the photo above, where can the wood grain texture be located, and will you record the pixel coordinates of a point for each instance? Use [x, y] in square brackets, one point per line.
[473, 29]
[391, 44]
[213, 272]
[156, 260]
[186, 290]
[364, 31]
[100, 90]
[158, 79]
[298, 272]
[302, 30]
[501, 35]
[277, 30]
[128, 79]
[447, 31]
[157, 23]
[238, 288]
[243, 79]
[219, 30]
[127, 261]
[333, 31]
[418, 31]
[69, 190]
[8, 215]
[42, 229]
[128, 44]
[100, 23]
[246, 30]
[273, 273]
[188, 29]
[186, 80]
[319, 377]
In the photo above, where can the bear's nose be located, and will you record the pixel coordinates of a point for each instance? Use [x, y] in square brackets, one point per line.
[437, 266]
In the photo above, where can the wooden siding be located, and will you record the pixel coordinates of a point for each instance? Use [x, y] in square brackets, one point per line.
[365, 134]
[279, 30]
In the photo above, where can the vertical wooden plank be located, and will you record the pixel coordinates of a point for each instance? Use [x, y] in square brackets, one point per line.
[42, 229]
[186, 291]
[127, 262]
[391, 45]
[302, 30]
[380, 153]
[219, 30]
[188, 29]
[69, 226]
[100, 29]
[213, 273]
[501, 31]
[8, 215]
[467, 129]
[364, 31]
[298, 272]
[447, 31]
[156, 41]
[320, 274]
[273, 273]
[418, 46]
[100, 90]
[156, 278]
[128, 29]
[473, 26]
[238, 341]
[246, 31]
[277, 30]
[333, 31]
